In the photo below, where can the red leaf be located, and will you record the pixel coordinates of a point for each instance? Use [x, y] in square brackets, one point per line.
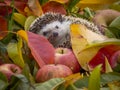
[3, 27]
[41, 49]
[5, 9]
[19, 5]
[107, 51]
[54, 7]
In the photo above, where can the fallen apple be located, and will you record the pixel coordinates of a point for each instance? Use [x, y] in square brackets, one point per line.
[66, 57]
[52, 71]
[10, 69]
[116, 57]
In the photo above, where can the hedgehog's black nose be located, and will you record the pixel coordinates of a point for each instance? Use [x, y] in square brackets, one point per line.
[55, 34]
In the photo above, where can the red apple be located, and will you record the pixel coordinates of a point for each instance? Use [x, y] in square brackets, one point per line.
[66, 57]
[52, 71]
[10, 69]
[115, 58]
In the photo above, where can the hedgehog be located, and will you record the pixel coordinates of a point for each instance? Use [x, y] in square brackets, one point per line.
[56, 28]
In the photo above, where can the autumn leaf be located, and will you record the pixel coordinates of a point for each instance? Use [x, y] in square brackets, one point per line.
[15, 53]
[35, 6]
[54, 7]
[81, 37]
[86, 44]
[108, 68]
[61, 1]
[5, 9]
[19, 18]
[41, 48]
[72, 78]
[95, 4]
[19, 5]
[3, 27]
[23, 34]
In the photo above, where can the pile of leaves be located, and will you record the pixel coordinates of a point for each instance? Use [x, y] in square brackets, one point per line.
[25, 49]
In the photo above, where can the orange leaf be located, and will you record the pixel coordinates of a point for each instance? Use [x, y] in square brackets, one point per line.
[54, 7]
[28, 11]
[35, 6]
[23, 34]
[41, 49]
[3, 27]
[61, 1]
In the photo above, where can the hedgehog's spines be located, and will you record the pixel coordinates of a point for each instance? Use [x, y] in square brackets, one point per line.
[85, 22]
[47, 18]
[49, 21]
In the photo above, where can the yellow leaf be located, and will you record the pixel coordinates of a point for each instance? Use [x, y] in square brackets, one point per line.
[23, 34]
[28, 11]
[72, 78]
[15, 53]
[81, 37]
[35, 7]
[28, 22]
[108, 68]
[19, 18]
[95, 4]
[60, 1]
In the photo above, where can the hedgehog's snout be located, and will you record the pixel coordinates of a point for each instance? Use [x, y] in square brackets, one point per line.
[55, 34]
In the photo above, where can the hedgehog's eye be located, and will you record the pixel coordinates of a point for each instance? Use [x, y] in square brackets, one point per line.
[45, 33]
[56, 27]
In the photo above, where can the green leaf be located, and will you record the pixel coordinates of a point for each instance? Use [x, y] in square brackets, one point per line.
[43, 1]
[27, 74]
[83, 82]
[114, 27]
[3, 53]
[15, 53]
[94, 79]
[49, 85]
[115, 31]
[109, 77]
[19, 82]
[10, 20]
[28, 22]
[72, 4]
[115, 6]
[3, 81]
[19, 18]
[87, 13]
[109, 34]
[115, 23]
[110, 41]
[117, 68]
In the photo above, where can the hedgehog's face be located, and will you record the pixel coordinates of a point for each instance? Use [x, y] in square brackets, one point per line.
[55, 30]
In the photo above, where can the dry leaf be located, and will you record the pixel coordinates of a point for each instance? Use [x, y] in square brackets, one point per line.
[35, 6]
[95, 4]
[54, 7]
[61, 1]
